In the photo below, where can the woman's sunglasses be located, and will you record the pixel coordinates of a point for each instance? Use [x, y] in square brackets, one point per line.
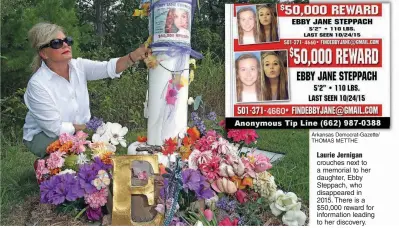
[58, 43]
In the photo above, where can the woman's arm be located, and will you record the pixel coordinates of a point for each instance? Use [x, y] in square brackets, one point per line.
[95, 70]
[128, 60]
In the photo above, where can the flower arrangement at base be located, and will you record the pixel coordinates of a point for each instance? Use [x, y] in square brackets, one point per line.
[78, 171]
[210, 179]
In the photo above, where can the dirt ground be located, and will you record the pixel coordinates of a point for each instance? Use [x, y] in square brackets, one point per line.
[32, 213]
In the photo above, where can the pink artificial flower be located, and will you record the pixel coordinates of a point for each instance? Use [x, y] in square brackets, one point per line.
[142, 175]
[208, 214]
[221, 146]
[41, 169]
[247, 135]
[55, 160]
[210, 169]
[160, 208]
[249, 167]
[65, 137]
[81, 135]
[171, 96]
[206, 141]
[97, 199]
[242, 197]
[198, 158]
[79, 146]
[262, 163]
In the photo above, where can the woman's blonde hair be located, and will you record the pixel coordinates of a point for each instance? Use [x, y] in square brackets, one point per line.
[282, 93]
[240, 30]
[239, 86]
[273, 24]
[41, 34]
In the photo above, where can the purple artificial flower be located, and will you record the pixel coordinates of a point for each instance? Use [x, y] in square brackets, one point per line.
[163, 190]
[47, 189]
[191, 179]
[204, 192]
[194, 117]
[87, 173]
[94, 123]
[101, 165]
[94, 214]
[60, 188]
[176, 222]
[212, 116]
[225, 204]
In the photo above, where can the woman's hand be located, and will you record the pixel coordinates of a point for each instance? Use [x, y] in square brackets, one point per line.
[133, 57]
[79, 127]
[140, 53]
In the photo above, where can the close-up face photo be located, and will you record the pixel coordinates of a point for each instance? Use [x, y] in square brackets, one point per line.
[271, 66]
[248, 71]
[247, 20]
[265, 16]
[181, 19]
[58, 49]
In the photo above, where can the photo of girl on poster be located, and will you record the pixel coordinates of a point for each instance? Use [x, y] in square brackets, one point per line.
[267, 21]
[246, 25]
[275, 75]
[177, 21]
[248, 77]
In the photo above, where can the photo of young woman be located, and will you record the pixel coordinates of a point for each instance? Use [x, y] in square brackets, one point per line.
[248, 77]
[267, 21]
[177, 21]
[275, 75]
[246, 24]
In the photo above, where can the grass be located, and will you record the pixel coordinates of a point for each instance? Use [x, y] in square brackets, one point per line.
[292, 172]
[18, 179]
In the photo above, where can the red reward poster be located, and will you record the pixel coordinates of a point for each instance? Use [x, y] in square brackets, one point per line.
[308, 65]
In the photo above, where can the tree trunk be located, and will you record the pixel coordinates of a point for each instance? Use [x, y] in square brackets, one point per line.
[99, 20]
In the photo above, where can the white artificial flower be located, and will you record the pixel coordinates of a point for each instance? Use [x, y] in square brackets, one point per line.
[165, 159]
[294, 217]
[199, 223]
[117, 133]
[182, 133]
[211, 202]
[70, 171]
[190, 101]
[283, 202]
[82, 159]
[102, 134]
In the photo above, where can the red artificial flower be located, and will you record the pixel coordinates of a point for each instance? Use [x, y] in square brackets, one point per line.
[141, 139]
[227, 222]
[222, 123]
[242, 197]
[169, 147]
[247, 135]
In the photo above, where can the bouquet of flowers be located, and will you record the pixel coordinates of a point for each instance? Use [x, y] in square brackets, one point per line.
[78, 171]
[235, 183]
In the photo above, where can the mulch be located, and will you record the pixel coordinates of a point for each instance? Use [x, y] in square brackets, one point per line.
[33, 213]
